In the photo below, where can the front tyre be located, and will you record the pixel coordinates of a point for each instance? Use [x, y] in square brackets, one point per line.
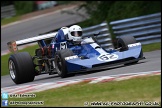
[61, 63]
[21, 67]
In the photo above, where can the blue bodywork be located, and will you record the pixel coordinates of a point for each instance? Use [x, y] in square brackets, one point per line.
[92, 54]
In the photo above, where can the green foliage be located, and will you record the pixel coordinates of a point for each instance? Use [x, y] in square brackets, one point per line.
[97, 10]
[116, 10]
[9, 20]
[127, 9]
[23, 7]
[151, 47]
[100, 11]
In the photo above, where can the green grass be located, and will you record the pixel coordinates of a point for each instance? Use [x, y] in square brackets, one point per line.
[151, 47]
[31, 49]
[147, 89]
[9, 20]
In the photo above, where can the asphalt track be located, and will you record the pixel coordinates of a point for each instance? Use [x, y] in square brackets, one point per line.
[151, 63]
[40, 24]
[35, 26]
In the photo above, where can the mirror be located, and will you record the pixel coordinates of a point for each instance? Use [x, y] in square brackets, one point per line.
[96, 33]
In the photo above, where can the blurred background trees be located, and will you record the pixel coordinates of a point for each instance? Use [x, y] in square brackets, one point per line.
[108, 11]
[23, 7]
[116, 10]
[98, 10]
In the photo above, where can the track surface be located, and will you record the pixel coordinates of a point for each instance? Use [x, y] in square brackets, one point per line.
[56, 20]
[40, 24]
[151, 63]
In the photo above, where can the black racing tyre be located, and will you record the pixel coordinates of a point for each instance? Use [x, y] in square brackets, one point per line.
[21, 67]
[124, 41]
[60, 62]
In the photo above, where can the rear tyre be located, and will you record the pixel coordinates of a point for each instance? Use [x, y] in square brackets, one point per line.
[123, 43]
[21, 67]
[61, 63]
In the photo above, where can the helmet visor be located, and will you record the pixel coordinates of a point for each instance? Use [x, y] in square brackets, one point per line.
[76, 33]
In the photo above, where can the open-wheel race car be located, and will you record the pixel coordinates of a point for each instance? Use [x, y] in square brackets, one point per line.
[58, 57]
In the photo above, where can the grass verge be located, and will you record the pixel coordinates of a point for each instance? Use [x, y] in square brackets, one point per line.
[151, 47]
[9, 20]
[31, 49]
[145, 89]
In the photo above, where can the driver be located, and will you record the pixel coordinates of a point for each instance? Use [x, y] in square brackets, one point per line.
[73, 34]
[67, 37]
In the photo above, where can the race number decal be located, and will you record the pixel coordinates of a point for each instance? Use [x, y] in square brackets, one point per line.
[63, 45]
[107, 57]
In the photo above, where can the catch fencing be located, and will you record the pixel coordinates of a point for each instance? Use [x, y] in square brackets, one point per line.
[104, 38]
[146, 29]
[7, 11]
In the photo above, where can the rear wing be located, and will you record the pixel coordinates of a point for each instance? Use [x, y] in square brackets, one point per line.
[13, 45]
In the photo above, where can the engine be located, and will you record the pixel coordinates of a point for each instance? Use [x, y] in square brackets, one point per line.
[43, 51]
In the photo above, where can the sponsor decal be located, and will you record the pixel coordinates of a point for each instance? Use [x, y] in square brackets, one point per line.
[71, 57]
[107, 57]
[133, 45]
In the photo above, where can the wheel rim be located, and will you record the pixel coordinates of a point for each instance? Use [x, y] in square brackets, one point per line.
[58, 64]
[12, 69]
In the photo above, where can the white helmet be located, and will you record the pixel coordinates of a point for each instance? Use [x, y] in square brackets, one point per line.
[65, 30]
[75, 33]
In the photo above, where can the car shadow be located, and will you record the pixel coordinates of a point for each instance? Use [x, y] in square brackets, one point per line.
[48, 77]
[108, 68]
[89, 72]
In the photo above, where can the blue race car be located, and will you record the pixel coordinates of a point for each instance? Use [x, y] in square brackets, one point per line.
[59, 56]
